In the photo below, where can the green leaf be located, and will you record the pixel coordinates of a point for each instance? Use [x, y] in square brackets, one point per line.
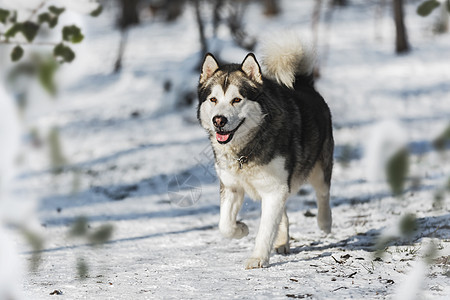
[48, 18]
[82, 268]
[13, 17]
[101, 235]
[72, 34]
[44, 18]
[396, 170]
[64, 52]
[408, 224]
[97, 11]
[30, 30]
[443, 140]
[79, 227]
[4, 14]
[11, 32]
[57, 158]
[46, 74]
[37, 244]
[55, 10]
[33, 239]
[17, 53]
[53, 22]
[427, 7]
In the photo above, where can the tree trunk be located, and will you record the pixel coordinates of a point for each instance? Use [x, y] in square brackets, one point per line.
[272, 7]
[401, 39]
[340, 2]
[217, 18]
[129, 17]
[328, 19]
[240, 36]
[174, 9]
[201, 27]
[129, 14]
[123, 42]
[317, 11]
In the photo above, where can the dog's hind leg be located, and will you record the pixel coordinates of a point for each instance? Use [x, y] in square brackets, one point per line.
[321, 184]
[282, 241]
[231, 200]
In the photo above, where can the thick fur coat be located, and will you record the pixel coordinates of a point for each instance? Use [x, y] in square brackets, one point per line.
[270, 134]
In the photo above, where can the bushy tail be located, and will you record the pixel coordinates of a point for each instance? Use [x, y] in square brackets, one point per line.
[285, 56]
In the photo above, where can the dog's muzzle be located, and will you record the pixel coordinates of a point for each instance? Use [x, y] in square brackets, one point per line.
[224, 137]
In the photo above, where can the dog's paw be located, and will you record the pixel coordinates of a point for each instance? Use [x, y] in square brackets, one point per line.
[237, 231]
[241, 230]
[325, 228]
[283, 249]
[256, 263]
[324, 220]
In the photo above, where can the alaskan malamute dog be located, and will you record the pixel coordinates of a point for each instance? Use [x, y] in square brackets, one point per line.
[271, 132]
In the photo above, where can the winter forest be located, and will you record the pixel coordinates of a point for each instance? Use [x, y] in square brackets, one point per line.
[107, 182]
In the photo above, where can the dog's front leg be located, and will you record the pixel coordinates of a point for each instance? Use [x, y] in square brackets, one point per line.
[231, 199]
[271, 213]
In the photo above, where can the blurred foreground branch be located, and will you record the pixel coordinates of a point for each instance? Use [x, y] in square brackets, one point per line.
[31, 29]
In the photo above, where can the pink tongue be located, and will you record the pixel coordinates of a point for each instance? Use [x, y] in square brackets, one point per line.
[222, 137]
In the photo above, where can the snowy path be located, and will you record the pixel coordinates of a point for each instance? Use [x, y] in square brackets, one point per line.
[160, 250]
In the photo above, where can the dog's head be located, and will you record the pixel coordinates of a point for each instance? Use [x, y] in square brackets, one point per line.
[228, 107]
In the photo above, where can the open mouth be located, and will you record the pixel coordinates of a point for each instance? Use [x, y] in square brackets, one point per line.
[224, 137]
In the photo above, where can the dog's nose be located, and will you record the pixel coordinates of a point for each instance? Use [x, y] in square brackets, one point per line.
[219, 121]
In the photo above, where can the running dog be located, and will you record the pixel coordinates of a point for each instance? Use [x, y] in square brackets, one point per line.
[270, 132]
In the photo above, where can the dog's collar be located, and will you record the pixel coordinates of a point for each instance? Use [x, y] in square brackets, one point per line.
[242, 160]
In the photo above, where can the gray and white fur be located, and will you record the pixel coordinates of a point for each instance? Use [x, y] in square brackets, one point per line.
[270, 134]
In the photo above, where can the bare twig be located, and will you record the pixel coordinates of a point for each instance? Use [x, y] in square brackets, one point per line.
[34, 11]
[353, 274]
[236, 14]
[340, 288]
[317, 10]
[201, 27]
[217, 18]
[10, 42]
[123, 42]
[338, 261]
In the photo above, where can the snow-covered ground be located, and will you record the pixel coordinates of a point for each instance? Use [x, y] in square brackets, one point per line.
[127, 147]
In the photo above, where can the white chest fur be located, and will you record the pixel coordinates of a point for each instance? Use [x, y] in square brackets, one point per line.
[256, 180]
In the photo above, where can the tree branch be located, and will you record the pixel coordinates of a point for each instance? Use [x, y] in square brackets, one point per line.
[12, 42]
[34, 11]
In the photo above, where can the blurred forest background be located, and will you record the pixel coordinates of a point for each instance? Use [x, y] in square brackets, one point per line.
[39, 28]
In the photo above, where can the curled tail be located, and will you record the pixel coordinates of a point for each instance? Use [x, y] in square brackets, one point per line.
[285, 56]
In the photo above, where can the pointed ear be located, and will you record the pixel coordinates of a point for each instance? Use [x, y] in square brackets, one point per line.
[251, 67]
[209, 66]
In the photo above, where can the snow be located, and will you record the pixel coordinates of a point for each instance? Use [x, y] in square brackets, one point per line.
[127, 146]
[385, 138]
[11, 267]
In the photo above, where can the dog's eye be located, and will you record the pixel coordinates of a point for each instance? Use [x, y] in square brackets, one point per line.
[213, 99]
[236, 100]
